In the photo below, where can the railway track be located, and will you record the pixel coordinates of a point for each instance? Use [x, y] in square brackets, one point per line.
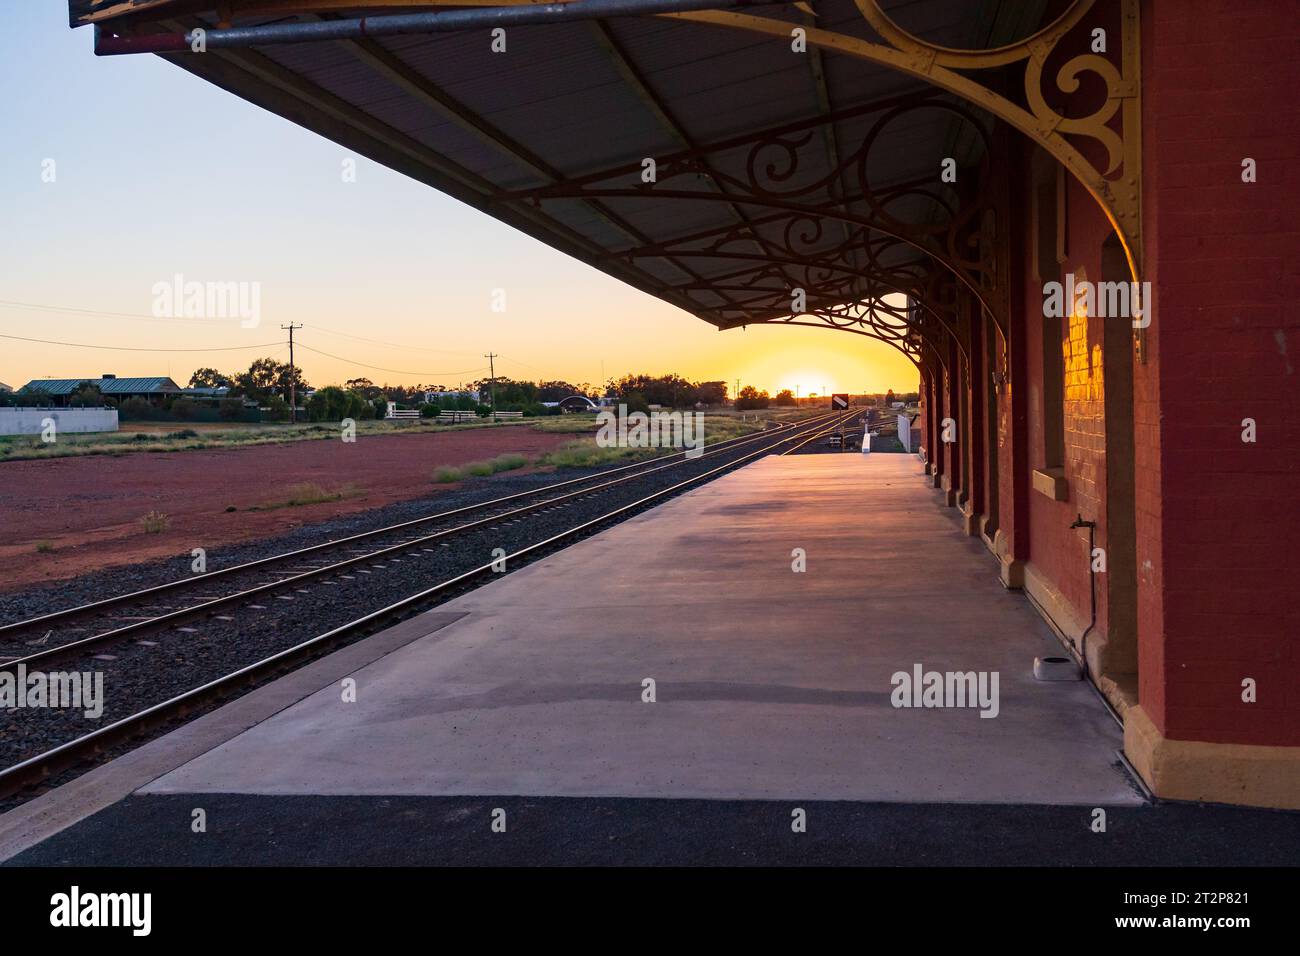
[100, 624]
[850, 420]
[602, 499]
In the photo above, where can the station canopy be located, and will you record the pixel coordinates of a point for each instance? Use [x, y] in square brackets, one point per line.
[705, 153]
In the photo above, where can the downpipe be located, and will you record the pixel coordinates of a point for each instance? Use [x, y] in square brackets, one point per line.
[1092, 587]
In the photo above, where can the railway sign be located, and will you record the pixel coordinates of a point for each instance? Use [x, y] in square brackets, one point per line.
[839, 401]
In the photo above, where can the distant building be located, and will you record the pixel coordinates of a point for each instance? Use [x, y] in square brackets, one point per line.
[5, 388]
[436, 396]
[212, 396]
[60, 390]
[206, 391]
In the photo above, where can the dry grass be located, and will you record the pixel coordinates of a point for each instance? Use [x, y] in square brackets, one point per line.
[718, 426]
[308, 493]
[722, 427]
[178, 436]
[585, 453]
[44, 547]
[480, 469]
[171, 436]
[155, 522]
[564, 424]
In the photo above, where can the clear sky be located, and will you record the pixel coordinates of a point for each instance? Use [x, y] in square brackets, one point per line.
[157, 173]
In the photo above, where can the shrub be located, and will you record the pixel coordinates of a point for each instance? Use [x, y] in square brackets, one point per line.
[86, 396]
[229, 408]
[480, 469]
[333, 404]
[155, 522]
[585, 453]
[140, 409]
[310, 493]
[635, 402]
[277, 409]
[183, 433]
[508, 462]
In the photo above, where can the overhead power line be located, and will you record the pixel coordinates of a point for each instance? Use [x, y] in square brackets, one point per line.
[125, 348]
[524, 364]
[390, 345]
[58, 308]
[395, 371]
[7, 303]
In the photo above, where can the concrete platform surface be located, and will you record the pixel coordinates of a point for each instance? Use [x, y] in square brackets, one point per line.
[769, 684]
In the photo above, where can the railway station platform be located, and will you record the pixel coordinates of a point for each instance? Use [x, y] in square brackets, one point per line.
[768, 682]
[532, 695]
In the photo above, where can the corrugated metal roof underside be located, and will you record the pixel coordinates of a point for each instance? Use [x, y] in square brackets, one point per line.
[559, 104]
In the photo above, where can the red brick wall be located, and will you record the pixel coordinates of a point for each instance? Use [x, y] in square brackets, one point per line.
[1218, 553]
[1055, 551]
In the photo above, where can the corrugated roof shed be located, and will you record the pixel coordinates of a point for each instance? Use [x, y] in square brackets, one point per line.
[107, 386]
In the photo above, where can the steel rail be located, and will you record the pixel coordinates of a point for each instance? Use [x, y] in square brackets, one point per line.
[811, 438]
[42, 766]
[65, 615]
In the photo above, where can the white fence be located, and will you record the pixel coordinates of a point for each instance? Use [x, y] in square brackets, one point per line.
[31, 421]
[446, 417]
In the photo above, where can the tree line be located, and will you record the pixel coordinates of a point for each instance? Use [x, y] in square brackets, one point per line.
[266, 378]
[267, 383]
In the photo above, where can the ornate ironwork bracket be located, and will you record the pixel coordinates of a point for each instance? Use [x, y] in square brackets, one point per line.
[1114, 126]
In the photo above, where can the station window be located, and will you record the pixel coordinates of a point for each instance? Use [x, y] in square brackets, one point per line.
[1049, 223]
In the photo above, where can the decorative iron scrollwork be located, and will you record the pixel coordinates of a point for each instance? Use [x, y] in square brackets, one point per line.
[1114, 124]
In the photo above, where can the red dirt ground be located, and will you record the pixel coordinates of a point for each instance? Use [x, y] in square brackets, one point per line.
[89, 508]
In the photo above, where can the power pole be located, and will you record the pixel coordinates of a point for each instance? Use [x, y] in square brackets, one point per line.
[737, 393]
[293, 376]
[492, 373]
